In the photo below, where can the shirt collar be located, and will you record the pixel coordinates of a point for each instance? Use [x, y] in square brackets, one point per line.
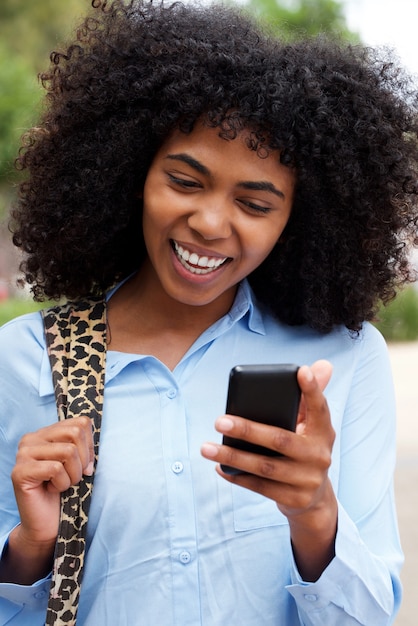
[244, 308]
[245, 304]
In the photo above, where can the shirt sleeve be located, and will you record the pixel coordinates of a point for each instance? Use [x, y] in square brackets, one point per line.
[20, 357]
[356, 587]
[22, 605]
[361, 585]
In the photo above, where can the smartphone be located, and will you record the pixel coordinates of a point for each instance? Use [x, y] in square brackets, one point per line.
[263, 393]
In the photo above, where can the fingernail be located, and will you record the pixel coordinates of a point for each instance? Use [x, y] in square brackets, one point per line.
[89, 469]
[209, 449]
[224, 424]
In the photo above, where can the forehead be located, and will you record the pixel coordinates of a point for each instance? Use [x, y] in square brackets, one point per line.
[227, 130]
[209, 146]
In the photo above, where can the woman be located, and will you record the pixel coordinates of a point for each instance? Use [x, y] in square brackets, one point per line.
[238, 200]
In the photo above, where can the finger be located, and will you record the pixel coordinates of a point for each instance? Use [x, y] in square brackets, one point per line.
[279, 440]
[316, 418]
[76, 431]
[288, 495]
[53, 474]
[294, 485]
[274, 468]
[322, 371]
[66, 453]
[275, 478]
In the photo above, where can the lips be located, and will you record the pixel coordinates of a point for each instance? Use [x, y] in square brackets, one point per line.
[197, 264]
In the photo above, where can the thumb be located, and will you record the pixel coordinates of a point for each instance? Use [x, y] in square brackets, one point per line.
[322, 370]
[316, 376]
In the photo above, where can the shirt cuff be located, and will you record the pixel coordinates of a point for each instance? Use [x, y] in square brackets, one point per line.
[354, 584]
[34, 596]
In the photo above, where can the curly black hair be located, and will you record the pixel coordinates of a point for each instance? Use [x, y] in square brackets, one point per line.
[343, 118]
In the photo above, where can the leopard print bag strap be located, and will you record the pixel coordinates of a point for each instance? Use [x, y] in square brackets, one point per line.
[76, 340]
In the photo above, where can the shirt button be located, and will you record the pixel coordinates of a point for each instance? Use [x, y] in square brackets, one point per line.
[185, 557]
[39, 595]
[311, 597]
[177, 467]
[171, 393]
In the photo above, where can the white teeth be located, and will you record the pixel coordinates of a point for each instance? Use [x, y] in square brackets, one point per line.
[203, 261]
[196, 264]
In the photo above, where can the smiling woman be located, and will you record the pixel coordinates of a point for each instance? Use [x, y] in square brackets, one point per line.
[219, 197]
[217, 200]
[213, 210]
[317, 104]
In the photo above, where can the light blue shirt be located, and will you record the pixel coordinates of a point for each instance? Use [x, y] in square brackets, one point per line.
[170, 543]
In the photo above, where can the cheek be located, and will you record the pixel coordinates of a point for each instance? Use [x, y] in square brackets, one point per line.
[152, 201]
[154, 217]
[161, 207]
[151, 227]
[261, 242]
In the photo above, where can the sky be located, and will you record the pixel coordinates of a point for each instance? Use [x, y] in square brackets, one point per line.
[387, 22]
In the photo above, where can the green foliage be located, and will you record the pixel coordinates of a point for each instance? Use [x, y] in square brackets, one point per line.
[32, 29]
[6, 198]
[13, 307]
[298, 18]
[19, 105]
[398, 321]
[28, 33]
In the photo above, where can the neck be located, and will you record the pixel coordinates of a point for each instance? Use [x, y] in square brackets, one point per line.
[144, 319]
[146, 295]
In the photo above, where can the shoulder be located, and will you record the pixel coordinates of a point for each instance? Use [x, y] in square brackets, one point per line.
[27, 395]
[23, 326]
[22, 343]
[369, 344]
[340, 345]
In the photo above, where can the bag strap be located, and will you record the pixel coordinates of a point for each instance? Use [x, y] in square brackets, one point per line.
[76, 341]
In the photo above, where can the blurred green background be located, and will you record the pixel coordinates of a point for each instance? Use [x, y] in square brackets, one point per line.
[29, 31]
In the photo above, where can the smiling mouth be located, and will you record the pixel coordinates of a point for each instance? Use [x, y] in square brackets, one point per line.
[197, 264]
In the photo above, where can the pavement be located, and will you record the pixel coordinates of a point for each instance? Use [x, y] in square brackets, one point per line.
[404, 359]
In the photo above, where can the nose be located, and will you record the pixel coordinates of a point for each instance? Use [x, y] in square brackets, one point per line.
[212, 220]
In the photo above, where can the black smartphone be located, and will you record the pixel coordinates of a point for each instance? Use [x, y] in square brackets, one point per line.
[264, 393]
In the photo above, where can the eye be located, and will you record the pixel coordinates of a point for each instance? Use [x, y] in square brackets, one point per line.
[255, 208]
[185, 183]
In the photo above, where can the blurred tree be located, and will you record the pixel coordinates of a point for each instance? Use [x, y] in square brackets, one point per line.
[32, 29]
[298, 18]
[19, 98]
[29, 31]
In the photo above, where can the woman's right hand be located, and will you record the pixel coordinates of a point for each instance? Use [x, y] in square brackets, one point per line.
[48, 462]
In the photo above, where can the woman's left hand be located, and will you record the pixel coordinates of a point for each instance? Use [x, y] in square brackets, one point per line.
[297, 481]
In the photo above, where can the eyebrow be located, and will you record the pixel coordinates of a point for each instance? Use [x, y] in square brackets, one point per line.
[189, 160]
[261, 185]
